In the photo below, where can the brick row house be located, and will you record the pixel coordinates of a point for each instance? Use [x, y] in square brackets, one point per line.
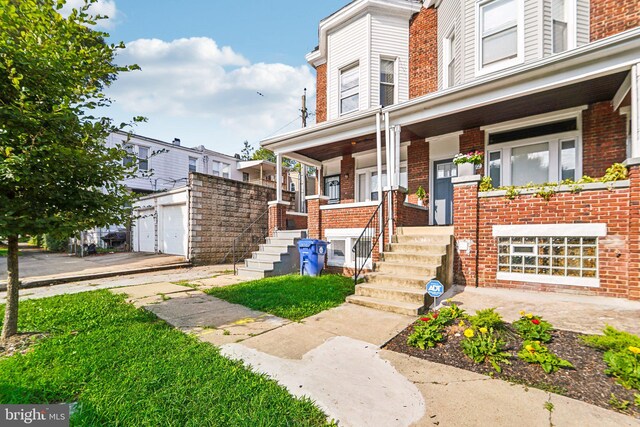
[547, 90]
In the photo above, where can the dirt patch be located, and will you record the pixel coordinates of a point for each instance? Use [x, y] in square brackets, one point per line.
[20, 343]
[587, 382]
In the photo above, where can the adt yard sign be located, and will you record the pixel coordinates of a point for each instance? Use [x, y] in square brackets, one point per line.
[435, 289]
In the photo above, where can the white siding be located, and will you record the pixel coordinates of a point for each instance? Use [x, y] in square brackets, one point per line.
[547, 36]
[469, 18]
[449, 17]
[389, 39]
[583, 16]
[346, 46]
[532, 30]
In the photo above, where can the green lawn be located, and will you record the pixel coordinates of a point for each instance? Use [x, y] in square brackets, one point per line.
[125, 367]
[4, 251]
[292, 297]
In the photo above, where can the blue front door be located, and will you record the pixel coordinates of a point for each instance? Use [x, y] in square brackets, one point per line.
[443, 170]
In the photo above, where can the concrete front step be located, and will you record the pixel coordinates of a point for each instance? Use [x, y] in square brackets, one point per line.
[254, 273]
[428, 230]
[421, 239]
[267, 256]
[278, 256]
[413, 258]
[397, 281]
[427, 270]
[392, 293]
[418, 249]
[407, 308]
[275, 249]
[292, 234]
[258, 264]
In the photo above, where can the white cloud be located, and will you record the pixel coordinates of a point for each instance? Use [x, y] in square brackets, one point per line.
[101, 7]
[195, 81]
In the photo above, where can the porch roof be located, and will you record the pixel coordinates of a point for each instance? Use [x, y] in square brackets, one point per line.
[589, 74]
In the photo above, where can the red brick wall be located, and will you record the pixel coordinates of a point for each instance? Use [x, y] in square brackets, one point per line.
[314, 217]
[609, 17]
[472, 140]
[321, 93]
[634, 233]
[465, 219]
[296, 222]
[277, 217]
[423, 53]
[604, 133]
[347, 184]
[408, 216]
[418, 165]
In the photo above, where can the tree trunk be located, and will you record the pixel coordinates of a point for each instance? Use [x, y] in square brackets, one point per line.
[10, 326]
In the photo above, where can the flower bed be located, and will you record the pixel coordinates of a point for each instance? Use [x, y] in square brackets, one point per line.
[528, 352]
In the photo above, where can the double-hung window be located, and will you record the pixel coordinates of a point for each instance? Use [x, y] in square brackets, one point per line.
[215, 168]
[367, 182]
[499, 36]
[226, 169]
[387, 82]
[193, 164]
[130, 157]
[449, 60]
[562, 24]
[143, 158]
[350, 89]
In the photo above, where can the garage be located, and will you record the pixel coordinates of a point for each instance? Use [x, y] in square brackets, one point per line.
[173, 235]
[161, 223]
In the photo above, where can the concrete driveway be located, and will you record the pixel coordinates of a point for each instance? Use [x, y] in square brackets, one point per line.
[36, 264]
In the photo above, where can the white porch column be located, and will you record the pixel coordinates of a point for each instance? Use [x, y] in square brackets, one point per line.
[389, 151]
[379, 161]
[278, 178]
[396, 166]
[635, 111]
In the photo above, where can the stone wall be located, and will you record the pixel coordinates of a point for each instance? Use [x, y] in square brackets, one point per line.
[219, 210]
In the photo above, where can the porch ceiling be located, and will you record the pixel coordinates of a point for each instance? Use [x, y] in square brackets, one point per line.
[586, 92]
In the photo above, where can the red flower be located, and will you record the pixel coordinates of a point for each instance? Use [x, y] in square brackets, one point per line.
[435, 315]
[425, 319]
[535, 321]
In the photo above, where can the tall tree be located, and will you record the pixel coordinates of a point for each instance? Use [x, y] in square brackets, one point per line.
[56, 176]
[247, 151]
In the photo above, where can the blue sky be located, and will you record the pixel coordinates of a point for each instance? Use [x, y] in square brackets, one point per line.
[203, 62]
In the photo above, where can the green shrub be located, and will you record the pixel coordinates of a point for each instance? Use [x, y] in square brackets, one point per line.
[487, 318]
[427, 333]
[533, 328]
[486, 184]
[55, 244]
[483, 345]
[451, 312]
[534, 352]
[622, 355]
[35, 240]
[612, 339]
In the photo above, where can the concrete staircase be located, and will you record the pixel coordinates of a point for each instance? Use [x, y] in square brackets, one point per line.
[397, 283]
[276, 257]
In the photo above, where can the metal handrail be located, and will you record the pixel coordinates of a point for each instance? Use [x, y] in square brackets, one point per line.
[262, 236]
[369, 233]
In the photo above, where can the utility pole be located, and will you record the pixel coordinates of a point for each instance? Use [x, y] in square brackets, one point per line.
[305, 112]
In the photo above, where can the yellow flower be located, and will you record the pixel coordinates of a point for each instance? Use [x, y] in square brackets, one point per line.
[634, 350]
[483, 330]
[530, 348]
[529, 316]
[468, 333]
[461, 324]
[522, 312]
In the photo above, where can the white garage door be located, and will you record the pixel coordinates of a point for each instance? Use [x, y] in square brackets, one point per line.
[173, 229]
[145, 233]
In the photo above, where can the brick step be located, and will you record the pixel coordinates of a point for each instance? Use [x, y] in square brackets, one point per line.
[438, 239]
[392, 293]
[418, 249]
[398, 281]
[428, 230]
[410, 270]
[414, 258]
[407, 308]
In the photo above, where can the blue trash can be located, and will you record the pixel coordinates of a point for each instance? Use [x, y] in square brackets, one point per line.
[312, 255]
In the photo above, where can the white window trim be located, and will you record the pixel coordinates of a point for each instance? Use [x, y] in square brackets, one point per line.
[519, 59]
[395, 78]
[189, 164]
[448, 55]
[147, 158]
[572, 28]
[369, 171]
[590, 282]
[554, 140]
[350, 236]
[343, 70]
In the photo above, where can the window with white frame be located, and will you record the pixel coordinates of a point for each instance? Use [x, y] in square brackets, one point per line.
[350, 89]
[367, 182]
[215, 168]
[549, 256]
[449, 60]
[130, 157]
[340, 245]
[499, 32]
[563, 25]
[547, 152]
[226, 169]
[193, 164]
[387, 82]
[143, 158]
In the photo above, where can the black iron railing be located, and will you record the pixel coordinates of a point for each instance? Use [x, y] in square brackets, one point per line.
[248, 240]
[371, 235]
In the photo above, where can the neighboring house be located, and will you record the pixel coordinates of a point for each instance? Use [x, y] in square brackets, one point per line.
[547, 89]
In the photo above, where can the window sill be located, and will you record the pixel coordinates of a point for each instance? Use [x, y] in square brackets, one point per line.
[551, 280]
[349, 205]
[591, 186]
